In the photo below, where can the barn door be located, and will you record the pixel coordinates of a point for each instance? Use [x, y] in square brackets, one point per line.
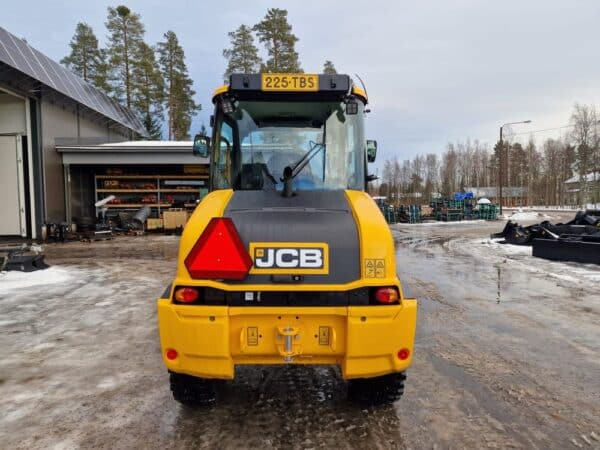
[12, 206]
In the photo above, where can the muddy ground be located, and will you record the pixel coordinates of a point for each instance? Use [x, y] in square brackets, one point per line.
[507, 356]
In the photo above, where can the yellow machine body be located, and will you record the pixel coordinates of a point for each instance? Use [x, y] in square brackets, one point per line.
[363, 340]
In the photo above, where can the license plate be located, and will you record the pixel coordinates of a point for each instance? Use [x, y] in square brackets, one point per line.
[289, 82]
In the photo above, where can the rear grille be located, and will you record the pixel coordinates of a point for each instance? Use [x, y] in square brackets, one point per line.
[210, 296]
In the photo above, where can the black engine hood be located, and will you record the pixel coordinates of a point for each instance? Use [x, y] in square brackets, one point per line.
[309, 216]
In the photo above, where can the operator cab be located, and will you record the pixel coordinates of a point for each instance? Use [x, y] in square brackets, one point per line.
[288, 133]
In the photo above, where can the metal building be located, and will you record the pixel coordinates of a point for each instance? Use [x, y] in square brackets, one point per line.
[41, 101]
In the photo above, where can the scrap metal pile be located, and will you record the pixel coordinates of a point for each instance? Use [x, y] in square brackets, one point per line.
[25, 258]
[577, 240]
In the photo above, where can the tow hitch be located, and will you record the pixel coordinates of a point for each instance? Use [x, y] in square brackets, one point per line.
[288, 342]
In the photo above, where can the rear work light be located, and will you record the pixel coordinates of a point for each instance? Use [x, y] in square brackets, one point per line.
[403, 354]
[186, 295]
[386, 295]
[219, 253]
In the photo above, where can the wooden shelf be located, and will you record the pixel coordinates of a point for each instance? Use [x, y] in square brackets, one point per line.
[195, 191]
[163, 195]
[153, 177]
[138, 205]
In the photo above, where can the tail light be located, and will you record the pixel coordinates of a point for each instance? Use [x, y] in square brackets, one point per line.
[186, 295]
[219, 253]
[386, 295]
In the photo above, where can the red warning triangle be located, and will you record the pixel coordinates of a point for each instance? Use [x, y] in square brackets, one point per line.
[219, 253]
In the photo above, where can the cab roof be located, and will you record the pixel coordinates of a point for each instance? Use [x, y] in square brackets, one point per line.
[258, 86]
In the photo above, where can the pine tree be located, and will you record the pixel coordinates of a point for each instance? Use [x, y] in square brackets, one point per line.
[276, 33]
[102, 75]
[242, 57]
[125, 39]
[203, 131]
[148, 93]
[329, 68]
[86, 59]
[178, 87]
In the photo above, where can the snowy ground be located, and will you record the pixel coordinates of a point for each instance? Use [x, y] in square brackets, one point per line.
[495, 251]
[560, 208]
[506, 357]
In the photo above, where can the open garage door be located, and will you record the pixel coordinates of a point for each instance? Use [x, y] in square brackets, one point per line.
[12, 215]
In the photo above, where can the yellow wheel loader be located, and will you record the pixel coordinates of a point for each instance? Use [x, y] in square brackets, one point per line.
[288, 260]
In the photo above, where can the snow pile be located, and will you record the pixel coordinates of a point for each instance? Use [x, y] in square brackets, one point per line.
[19, 280]
[530, 215]
[187, 144]
[527, 215]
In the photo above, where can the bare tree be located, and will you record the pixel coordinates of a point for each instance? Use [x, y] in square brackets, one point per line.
[432, 174]
[468, 163]
[584, 136]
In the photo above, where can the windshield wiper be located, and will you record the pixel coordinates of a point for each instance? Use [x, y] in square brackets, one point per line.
[289, 173]
[269, 175]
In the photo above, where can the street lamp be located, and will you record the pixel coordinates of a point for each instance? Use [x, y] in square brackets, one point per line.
[501, 162]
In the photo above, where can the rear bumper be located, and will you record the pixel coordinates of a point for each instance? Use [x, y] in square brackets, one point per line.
[211, 340]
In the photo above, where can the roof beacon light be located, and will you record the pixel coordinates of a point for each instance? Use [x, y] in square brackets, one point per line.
[219, 253]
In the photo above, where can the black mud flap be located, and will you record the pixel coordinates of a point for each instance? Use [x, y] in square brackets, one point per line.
[577, 250]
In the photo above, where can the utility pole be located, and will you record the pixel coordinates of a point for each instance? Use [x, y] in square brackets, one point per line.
[501, 162]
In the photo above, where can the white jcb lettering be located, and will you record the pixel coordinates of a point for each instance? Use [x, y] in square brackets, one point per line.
[286, 257]
[311, 258]
[266, 261]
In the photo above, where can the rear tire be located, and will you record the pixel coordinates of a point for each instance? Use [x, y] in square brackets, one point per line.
[192, 391]
[383, 390]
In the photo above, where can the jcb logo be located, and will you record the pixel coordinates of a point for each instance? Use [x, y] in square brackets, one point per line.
[307, 258]
[289, 258]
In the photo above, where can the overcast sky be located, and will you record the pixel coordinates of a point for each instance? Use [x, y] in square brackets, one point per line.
[435, 71]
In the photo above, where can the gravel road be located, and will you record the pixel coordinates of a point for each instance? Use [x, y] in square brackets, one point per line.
[507, 355]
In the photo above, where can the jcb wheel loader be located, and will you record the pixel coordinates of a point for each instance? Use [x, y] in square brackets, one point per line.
[287, 260]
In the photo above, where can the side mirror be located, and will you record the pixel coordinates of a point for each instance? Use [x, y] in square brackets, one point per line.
[201, 146]
[371, 151]
[351, 107]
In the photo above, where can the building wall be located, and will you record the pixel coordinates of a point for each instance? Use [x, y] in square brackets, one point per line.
[60, 121]
[12, 116]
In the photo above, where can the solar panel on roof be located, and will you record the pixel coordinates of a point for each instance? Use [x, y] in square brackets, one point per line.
[16, 53]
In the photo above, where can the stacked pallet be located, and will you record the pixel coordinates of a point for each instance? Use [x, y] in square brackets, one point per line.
[488, 211]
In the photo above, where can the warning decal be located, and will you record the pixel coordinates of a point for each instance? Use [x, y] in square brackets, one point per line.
[252, 335]
[323, 335]
[374, 268]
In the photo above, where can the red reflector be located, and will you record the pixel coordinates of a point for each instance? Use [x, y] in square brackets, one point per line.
[172, 354]
[186, 295]
[403, 354]
[386, 295]
[219, 253]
